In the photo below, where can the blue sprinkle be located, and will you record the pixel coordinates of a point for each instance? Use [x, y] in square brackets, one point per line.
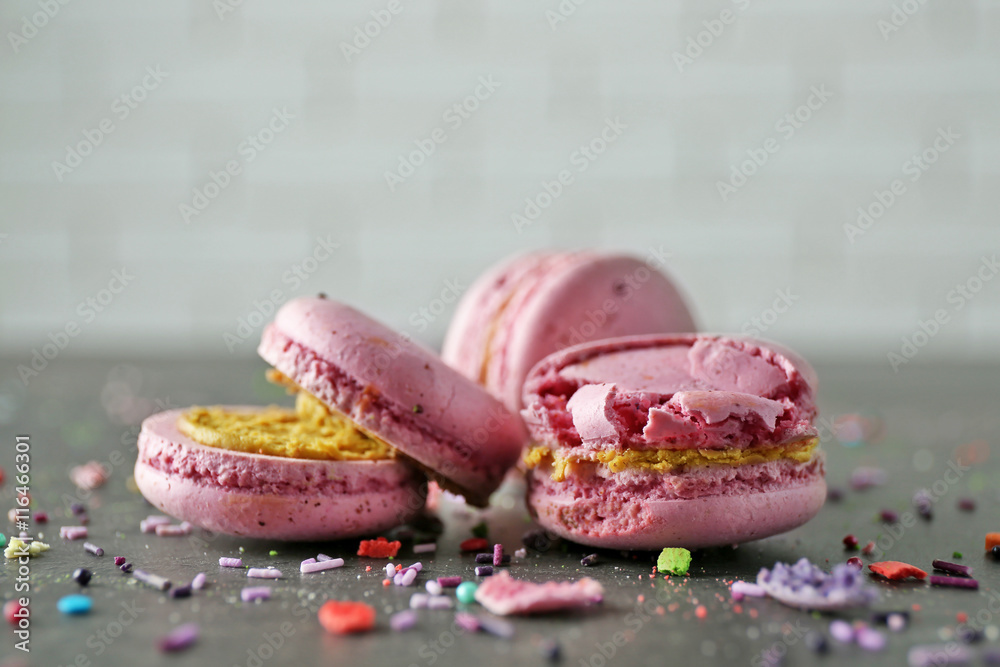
[75, 604]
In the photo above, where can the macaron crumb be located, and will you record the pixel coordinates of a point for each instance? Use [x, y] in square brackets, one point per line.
[379, 548]
[344, 617]
[674, 560]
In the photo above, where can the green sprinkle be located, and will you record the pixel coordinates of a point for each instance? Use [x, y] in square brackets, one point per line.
[272, 552]
[957, 554]
[3, 540]
[241, 549]
[466, 592]
[481, 530]
[674, 560]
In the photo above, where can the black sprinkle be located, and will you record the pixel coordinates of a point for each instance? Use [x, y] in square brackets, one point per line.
[82, 576]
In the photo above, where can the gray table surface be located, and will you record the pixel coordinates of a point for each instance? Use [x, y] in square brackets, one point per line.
[77, 411]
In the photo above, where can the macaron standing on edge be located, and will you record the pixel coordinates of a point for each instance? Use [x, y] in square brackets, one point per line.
[689, 441]
[372, 410]
[532, 305]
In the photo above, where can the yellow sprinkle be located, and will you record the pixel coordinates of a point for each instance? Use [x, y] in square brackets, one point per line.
[667, 460]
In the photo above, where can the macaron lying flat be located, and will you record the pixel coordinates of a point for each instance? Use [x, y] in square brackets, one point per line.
[689, 441]
[530, 306]
[234, 491]
[397, 391]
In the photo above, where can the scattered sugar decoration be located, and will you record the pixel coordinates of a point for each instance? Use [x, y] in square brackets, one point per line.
[806, 586]
[953, 582]
[896, 571]
[263, 573]
[93, 548]
[149, 524]
[230, 562]
[170, 530]
[403, 620]
[424, 548]
[252, 593]
[154, 580]
[741, 589]
[924, 503]
[589, 560]
[73, 532]
[179, 638]
[75, 604]
[503, 595]
[308, 568]
[952, 568]
[674, 560]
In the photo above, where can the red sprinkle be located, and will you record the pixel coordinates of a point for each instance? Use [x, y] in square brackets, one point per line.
[855, 562]
[896, 571]
[700, 611]
[962, 617]
[378, 548]
[341, 618]
[11, 611]
[868, 549]
[474, 544]
[850, 542]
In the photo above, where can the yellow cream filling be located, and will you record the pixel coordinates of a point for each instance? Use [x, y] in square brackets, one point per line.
[667, 460]
[310, 431]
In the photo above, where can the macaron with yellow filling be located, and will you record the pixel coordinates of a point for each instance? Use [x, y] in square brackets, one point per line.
[691, 440]
[375, 415]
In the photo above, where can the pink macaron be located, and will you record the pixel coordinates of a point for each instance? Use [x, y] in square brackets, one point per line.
[690, 440]
[273, 497]
[433, 420]
[530, 306]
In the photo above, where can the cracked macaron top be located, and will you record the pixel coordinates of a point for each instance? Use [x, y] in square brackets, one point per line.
[671, 392]
[398, 391]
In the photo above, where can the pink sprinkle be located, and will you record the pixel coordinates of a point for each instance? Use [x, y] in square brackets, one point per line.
[403, 620]
[73, 532]
[179, 638]
[307, 561]
[746, 588]
[308, 568]
[424, 548]
[198, 582]
[149, 524]
[418, 566]
[419, 601]
[439, 602]
[173, 531]
[842, 631]
[263, 573]
[497, 555]
[466, 621]
[449, 582]
[251, 593]
[230, 562]
[119, 560]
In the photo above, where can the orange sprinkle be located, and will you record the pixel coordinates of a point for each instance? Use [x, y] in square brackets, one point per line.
[753, 613]
[368, 568]
[915, 607]
[386, 582]
[642, 598]
[660, 610]
[738, 608]
[992, 540]
[673, 607]
[700, 611]
[962, 617]
[399, 566]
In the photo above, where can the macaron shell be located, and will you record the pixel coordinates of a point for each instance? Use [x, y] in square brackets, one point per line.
[533, 305]
[397, 390]
[271, 497]
[616, 522]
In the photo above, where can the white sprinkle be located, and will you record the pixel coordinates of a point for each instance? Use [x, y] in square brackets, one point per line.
[307, 568]
[433, 587]
[424, 548]
[419, 601]
[263, 573]
[439, 602]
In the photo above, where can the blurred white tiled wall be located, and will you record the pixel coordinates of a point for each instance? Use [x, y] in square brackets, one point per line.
[549, 77]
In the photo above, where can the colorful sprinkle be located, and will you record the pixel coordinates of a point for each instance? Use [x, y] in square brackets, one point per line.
[149, 524]
[589, 561]
[952, 568]
[433, 587]
[496, 626]
[73, 532]
[379, 548]
[75, 604]
[924, 502]
[169, 530]
[938, 655]
[119, 561]
[498, 555]
[449, 582]
[484, 571]
[850, 542]
[154, 580]
[323, 557]
[419, 600]
[429, 547]
[126, 567]
[474, 544]
[888, 516]
[404, 620]
[198, 582]
[439, 602]
[93, 548]
[179, 638]
[868, 549]
[467, 621]
[674, 560]
[308, 568]
[82, 576]
[181, 591]
[739, 589]
[870, 639]
[252, 593]
[230, 562]
[263, 573]
[896, 571]
[13, 612]
[855, 562]
[466, 592]
[954, 582]
[842, 631]
[967, 504]
[340, 618]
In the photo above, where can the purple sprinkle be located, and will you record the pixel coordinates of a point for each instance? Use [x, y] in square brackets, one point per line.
[77, 508]
[419, 601]
[397, 579]
[198, 582]
[497, 555]
[424, 548]
[439, 602]
[418, 566]
[251, 593]
[154, 580]
[834, 495]
[390, 570]
[746, 588]
[126, 567]
[888, 516]
[403, 620]
[954, 582]
[855, 562]
[322, 557]
[484, 571]
[964, 504]
[93, 548]
[181, 591]
[466, 621]
[230, 562]
[496, 626]
[149, 524]
[953, 568]
[409, 578]
[484, 558]
[937, 655]
[263, 573]
[73, 532]
[307, 561]
[865, 477]
[990, 656]
[179, 638]
[588, 561]
[449, 582]
[173, 531]
[870, 639]
[924, 503]
[119, 560]
[309, 568]
[842, 631]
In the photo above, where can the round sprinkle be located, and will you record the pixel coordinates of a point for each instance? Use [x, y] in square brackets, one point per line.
[850, 542]
[75, 604]
[12, 611]
[466, 592]
[855, 562]
[995, 552]
[82, 576]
